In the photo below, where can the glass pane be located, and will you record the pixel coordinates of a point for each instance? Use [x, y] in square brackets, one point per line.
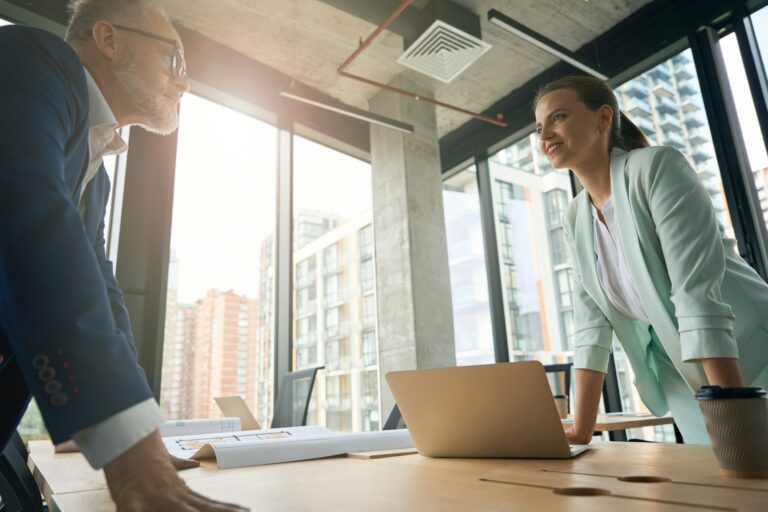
[745, 110]
[217, 327]
[466, 260]
[530, 198]
[335, 286]
[760, 24]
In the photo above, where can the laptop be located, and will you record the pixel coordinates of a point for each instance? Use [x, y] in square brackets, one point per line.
[501, 410]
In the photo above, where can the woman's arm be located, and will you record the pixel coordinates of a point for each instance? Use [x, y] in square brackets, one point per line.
[723, 372]
[589, 384]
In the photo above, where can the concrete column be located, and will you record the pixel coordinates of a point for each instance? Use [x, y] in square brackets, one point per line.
[415, 315]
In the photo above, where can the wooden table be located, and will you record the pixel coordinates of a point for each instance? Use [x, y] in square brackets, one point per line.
[689, 474]
[611, 422]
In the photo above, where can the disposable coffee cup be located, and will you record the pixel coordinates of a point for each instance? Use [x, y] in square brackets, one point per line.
[561, 402]
[737, 424]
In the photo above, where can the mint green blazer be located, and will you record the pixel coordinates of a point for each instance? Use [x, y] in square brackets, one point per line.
[702, 297]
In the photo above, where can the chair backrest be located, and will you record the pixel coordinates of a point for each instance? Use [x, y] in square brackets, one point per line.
[395, 420]
[293, 397]
[18, 489]
[561, 387]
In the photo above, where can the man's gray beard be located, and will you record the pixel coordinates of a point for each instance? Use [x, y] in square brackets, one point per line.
[159, 118]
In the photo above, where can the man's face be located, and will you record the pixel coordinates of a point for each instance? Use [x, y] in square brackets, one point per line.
[146, 78]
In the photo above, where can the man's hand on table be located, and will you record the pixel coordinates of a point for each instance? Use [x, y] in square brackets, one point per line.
[144, 479]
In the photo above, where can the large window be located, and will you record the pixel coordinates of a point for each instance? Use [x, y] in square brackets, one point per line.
[745, 108]
[466, 261]
[219, 304]
[529, 199]
[334, 262]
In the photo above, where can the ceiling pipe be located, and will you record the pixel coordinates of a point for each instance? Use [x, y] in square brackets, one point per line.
[498, 120]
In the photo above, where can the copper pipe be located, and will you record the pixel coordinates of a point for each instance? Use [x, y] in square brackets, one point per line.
[498, 121]
[417, 97]
[364, 44]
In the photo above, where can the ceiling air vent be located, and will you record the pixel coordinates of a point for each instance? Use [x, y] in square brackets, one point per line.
[443, 52]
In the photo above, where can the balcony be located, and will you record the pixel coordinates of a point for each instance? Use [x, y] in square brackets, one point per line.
[660, 72]
[663, 89]
[637, 89]
[638, 109]
[334, 332]
[682, 73]
[336, 299]
[688, 105]
[670, 124]
[692, 122]
[697, 138]
[686, 91]
[665, 106]
[675, 141]
[700, 156]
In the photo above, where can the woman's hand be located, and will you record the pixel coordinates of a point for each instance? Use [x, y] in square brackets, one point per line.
[589, 385]
[575, 437]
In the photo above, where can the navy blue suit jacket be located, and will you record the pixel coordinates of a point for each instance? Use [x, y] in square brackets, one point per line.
[65, 337]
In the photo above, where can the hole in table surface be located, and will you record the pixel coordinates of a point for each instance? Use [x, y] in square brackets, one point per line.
[644, 479]
[581, 491]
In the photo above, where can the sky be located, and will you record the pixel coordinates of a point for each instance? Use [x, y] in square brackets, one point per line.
[224, 197]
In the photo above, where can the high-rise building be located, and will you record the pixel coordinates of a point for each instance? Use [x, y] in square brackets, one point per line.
[466, 261]
[335, 324]
[178, 351]
[225, 351]
[211, 349]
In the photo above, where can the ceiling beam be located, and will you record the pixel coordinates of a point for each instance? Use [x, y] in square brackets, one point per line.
[648, 32]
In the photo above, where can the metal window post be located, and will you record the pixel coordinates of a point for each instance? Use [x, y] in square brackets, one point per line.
[492, 264]
[283, 256]
[738, 184]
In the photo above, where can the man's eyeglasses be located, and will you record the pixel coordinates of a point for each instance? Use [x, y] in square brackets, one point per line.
[178, 64]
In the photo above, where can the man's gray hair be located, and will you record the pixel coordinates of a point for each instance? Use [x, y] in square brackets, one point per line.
[85, 13]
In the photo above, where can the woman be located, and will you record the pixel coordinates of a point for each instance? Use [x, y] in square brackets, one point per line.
[650, 265]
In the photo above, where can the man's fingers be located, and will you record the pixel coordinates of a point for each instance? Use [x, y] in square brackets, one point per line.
[207, 505]
[181, 464]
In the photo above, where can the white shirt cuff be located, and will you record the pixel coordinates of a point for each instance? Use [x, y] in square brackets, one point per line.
[107, 440]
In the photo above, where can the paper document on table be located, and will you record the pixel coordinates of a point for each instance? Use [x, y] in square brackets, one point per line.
[202, 426]
[270, 446]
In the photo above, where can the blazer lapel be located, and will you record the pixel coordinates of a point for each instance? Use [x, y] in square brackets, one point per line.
[661, 318]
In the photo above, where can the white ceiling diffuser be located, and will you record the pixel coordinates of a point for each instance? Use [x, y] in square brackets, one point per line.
[443, 52]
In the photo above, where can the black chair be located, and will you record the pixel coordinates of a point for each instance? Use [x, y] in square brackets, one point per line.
[395, 420]
[564, 387]
[292, 404]
[18, 489]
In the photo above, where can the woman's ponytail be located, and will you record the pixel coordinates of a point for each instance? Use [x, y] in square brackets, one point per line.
[626, 135]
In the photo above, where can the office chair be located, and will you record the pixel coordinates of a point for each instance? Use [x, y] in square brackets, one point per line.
[395, 420]
[18, 489]
[565, 368]
[292, 404]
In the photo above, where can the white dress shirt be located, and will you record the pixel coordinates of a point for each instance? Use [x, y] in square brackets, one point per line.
[105, 441]
[612, 270]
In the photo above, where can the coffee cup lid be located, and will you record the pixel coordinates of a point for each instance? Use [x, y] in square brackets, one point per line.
[718, 393]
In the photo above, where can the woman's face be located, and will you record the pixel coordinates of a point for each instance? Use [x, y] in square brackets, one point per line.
[570, 134]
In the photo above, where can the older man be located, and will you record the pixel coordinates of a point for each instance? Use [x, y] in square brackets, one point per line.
[65, 337]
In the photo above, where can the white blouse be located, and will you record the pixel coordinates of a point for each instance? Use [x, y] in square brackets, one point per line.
[612, 270]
